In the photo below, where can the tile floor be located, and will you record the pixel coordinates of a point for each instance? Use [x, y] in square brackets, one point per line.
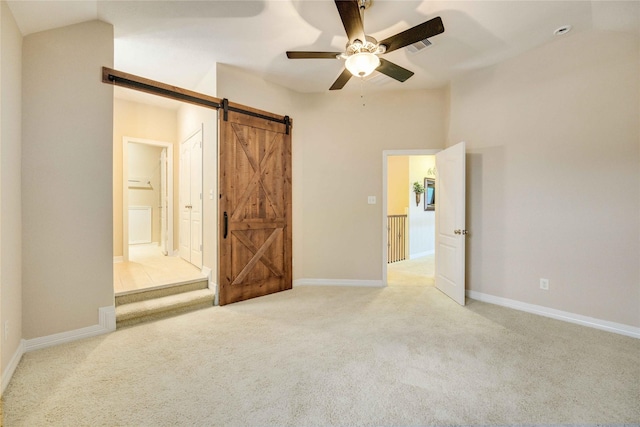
[414, 272]
[148, 268]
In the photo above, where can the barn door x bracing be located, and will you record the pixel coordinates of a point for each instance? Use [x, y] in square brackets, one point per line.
[255, 208]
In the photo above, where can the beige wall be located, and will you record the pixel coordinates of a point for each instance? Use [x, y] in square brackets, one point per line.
[422, 224]
[398, 185]
[342, 163]
[244, 88]
[67, 148]
[552, 178]
[136, 120]
[10, 189]
[144, 162]
[337, 163]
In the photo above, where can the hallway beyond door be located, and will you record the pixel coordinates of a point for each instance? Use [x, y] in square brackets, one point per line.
[414, 272]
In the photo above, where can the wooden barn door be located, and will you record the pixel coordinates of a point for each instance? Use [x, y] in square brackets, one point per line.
[254, 209]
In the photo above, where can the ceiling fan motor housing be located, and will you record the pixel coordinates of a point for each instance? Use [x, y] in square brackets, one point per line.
[369, 45]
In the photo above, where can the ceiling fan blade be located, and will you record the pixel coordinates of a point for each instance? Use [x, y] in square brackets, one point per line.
[312, 55]
[420, 32]
[394, 70]
[342, 80]
[349, 11]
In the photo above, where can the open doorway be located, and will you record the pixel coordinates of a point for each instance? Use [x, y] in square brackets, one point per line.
[209, 182]
[149, 259]
[409, 238]
[145, 195]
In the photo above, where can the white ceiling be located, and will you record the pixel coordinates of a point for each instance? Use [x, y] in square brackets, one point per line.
[177, 42]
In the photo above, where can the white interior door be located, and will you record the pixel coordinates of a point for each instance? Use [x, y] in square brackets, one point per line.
[191, 199]
[185, 199]
[164, 203]
[196, 201]
[450, 222]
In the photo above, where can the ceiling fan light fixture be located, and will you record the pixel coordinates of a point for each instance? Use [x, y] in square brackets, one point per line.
[362, 64]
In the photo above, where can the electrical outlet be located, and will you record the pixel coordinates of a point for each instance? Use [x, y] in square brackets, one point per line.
[371, 200]
[544, 284]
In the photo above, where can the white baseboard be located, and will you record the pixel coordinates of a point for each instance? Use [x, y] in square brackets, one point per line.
[13, 364]
[117, 259]
[207, 272]
[338, 282]
[106, 324]
[421, 254]
[107, 318]
[579, 319]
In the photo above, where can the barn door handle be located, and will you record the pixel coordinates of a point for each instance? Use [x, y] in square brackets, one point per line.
[226, 226]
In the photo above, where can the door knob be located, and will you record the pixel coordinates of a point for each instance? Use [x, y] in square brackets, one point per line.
[457, 231]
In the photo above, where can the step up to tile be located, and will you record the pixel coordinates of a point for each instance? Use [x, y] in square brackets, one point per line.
[160, 291]
[161, 303]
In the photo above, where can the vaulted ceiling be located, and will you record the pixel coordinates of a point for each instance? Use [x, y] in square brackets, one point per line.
[179, 41]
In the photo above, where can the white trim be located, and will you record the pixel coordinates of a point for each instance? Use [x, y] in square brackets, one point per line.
[385, 154]
[422, 254]
[13, 364]
[106, 324]
[107, 318]
[338, 282]
[172, 253]
[605, 325]
[118, 259]
[207, 272]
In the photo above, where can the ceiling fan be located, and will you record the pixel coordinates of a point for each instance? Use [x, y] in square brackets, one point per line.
[362, 51]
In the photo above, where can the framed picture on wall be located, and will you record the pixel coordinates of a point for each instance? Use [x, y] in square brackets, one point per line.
[429, 194]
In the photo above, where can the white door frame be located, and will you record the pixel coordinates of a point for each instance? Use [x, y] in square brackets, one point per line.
[125, 191]
[385, 155]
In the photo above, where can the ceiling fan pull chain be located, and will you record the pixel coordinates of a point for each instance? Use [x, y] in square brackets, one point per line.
[362, 91]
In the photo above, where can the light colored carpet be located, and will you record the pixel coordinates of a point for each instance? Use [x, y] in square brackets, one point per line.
[414, 272]
[334, 356]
